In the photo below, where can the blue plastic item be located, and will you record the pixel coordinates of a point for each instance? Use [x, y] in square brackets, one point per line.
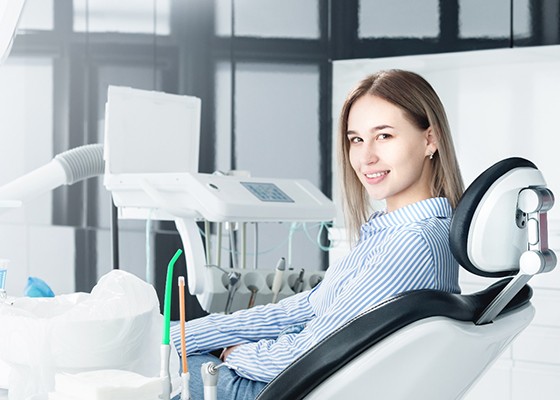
[3, 273]
[37, 287]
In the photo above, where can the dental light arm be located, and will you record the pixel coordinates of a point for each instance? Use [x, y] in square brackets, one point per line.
[10, 13]
[64, 169]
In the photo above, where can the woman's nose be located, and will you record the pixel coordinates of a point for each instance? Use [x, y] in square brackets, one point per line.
[369, 154]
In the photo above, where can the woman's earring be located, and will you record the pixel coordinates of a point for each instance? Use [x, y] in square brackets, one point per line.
[431, 155]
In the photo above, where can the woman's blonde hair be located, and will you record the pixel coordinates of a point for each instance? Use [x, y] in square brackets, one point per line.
[423, 108]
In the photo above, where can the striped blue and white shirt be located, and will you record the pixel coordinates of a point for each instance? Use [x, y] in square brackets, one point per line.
[403, 250]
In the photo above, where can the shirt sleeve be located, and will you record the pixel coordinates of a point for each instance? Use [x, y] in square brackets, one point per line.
[216, 331]
[402, 263]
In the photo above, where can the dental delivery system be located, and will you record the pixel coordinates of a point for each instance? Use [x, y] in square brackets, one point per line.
[155, 177]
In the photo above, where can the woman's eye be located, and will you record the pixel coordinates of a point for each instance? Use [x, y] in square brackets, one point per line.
[383, 136]
[355, 139]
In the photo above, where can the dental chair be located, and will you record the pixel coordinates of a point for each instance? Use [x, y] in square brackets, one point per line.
[428, 344]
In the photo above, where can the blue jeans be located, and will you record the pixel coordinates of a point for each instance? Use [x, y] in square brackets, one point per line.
[230, 385]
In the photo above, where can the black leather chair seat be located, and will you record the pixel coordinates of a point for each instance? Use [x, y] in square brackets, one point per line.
[371, 327]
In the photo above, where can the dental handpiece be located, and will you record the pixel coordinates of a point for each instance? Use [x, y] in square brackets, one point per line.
[277, 282]
[315, 280]
[233, 284]
[253, 290]
[209, 374]
[298, 284]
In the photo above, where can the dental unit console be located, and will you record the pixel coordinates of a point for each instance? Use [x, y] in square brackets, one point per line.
[151, 168]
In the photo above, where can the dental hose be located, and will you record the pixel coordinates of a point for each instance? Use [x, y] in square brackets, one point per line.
[185, 377]
[165, 349]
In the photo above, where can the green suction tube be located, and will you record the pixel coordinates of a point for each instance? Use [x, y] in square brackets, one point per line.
[167, 300]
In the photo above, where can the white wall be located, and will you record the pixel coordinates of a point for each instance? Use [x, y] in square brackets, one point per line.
[500, 103]
[27, 238]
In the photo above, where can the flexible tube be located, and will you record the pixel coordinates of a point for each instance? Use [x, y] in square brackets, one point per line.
[167, 300]
[149, 274]
[64, 169]
[256, 244]
[165, 348]
[182, 319]
[185, 393]
[82, 162]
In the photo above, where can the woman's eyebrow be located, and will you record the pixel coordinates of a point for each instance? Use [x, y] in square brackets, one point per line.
[380, 127]
[372, 130]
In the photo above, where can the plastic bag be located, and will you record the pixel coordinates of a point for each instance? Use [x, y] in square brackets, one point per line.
[117, 326]
[36, 287]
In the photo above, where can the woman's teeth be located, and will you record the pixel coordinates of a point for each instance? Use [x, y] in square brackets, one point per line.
[376, 175]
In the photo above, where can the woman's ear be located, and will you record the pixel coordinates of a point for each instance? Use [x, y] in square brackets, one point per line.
[431, 141]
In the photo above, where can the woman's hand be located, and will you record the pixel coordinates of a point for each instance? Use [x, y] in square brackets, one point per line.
[227, 351]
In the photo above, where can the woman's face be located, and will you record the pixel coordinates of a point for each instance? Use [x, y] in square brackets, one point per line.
[388, 153]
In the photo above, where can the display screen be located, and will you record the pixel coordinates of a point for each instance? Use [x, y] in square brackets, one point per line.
[267, 192]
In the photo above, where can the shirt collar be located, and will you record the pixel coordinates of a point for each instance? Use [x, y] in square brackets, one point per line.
[437, 207]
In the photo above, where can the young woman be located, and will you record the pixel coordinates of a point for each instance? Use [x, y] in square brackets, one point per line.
[394, 144]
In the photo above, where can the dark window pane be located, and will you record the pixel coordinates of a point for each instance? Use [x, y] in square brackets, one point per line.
[484, 19]
[398, 19]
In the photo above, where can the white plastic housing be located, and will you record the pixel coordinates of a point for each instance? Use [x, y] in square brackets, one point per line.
[495, 243]
[420, 361]
[39, 181]
[215, 198]
[151, 132]
[10, 12]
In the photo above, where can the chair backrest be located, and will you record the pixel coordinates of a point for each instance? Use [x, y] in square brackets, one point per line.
[499, 227]
[484, 236]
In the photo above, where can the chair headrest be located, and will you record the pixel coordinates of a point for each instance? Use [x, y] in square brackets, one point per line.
[486, 237]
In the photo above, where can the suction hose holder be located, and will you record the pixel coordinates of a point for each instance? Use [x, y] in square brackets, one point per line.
[82, 162]
[64, 169]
